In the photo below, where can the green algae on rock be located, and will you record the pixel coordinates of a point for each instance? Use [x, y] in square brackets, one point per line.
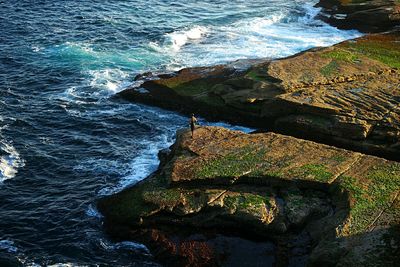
[346, 201]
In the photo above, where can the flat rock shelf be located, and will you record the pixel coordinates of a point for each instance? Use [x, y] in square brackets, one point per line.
[346, 95]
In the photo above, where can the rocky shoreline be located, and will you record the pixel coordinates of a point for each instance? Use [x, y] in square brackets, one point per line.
[226, 198]
[316, 204]
[345, 95]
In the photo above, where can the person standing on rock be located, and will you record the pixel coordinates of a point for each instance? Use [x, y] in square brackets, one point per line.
[193, 122]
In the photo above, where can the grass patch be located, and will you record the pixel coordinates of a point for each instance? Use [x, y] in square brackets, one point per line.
[236, 164]
[127, 206]
[384, 49]
[386, 52]
[164, 196]
[338, 158]
[330, 68]
[267, 173]
[341, 54]
[245, 201]
[370, 198]
[193, 88]
[317, 172]
[254, 75]
[196, 199]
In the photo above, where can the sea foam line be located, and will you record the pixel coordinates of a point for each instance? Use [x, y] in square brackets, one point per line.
[277, 35]
[124, 245]
[140, 166]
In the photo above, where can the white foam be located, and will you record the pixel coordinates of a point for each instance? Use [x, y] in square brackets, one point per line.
[103, 68]
[70, 47]
[311, 13]
[141, 166]
[147, 162]
[109, 19]
[99, 85]
[125, 245]
[177, 39]
[274, 36]
[10, 162]
[196, 32]
[128, 245]
[71, 91]
[93, 212]
[257, 24]
[111, 80]
[8, 246]
[30, 263]
[36, 48]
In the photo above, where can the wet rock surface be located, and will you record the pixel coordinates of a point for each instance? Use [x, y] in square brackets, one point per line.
[303, 202]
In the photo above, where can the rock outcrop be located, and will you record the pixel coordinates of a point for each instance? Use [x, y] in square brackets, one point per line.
[226, 198]
[318, 205]
[346, 95]
[363, 15]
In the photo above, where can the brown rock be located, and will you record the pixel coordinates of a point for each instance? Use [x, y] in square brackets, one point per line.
[265, 187]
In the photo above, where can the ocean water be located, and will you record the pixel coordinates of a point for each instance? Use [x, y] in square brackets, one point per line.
[65, 142]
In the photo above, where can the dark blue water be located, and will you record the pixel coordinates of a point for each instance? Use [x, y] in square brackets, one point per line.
[64, 142]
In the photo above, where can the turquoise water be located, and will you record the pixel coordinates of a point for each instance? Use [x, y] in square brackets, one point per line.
[64, 142]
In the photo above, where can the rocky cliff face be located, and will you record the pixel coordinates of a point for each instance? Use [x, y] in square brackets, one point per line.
[316, 204]
[347, 95]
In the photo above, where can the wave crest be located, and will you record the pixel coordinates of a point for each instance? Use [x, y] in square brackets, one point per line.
[8, 245]
[177, 39]
[10, 162]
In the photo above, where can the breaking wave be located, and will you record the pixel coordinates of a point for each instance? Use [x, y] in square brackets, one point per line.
[10, 161]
